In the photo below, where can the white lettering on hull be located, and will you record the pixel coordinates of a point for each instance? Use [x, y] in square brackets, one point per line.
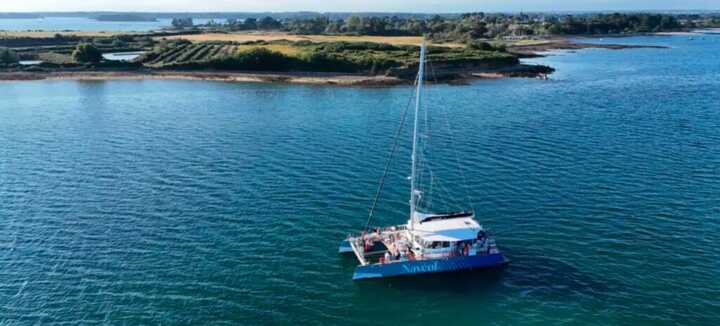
[421, 268]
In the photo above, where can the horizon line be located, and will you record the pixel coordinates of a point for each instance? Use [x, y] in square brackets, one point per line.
[362, 11]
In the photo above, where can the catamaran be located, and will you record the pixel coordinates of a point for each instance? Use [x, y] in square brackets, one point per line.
[428, 242]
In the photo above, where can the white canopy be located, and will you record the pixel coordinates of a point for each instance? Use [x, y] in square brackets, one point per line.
[452, 229]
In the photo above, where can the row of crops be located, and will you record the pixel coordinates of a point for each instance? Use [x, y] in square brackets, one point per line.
[277, 55]
[188, 53]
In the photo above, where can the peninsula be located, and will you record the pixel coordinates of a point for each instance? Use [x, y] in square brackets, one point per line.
[352, 50]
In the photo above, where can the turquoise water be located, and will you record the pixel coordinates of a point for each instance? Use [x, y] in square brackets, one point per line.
[164, 202]
[85, 24]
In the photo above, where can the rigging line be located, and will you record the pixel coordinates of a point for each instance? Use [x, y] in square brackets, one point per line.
[389, 161]
[457, 162]
[426, 162]
[454, 148]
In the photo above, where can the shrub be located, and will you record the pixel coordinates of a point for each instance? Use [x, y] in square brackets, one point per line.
[55, 58]
[181, 23]
[8, 56]
[261, 57]
[85, 52]
[356, 46]
[255, 59]
[323, 61]
[479, 45]
[499, 46]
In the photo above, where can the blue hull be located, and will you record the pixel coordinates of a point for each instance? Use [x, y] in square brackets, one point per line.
[429, 266]
[344, 247]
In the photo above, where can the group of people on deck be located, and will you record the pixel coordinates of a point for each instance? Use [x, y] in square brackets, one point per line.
[462, 248]
[397, 257]
[459, 248]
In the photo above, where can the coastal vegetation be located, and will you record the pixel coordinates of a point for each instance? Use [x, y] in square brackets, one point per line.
[8, 56]
[85, 52]
[317, 38]
[349, 57]
[60, 46]
[182, 23]
[55, 59]
[472, 26]
[394, 57]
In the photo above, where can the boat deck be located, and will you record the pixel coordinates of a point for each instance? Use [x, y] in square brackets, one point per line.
[389, 245]
[394, 242]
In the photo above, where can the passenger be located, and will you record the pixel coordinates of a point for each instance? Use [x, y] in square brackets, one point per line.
[481, 235]
[466, 250]
[387, 257]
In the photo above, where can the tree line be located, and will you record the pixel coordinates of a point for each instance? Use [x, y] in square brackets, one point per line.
[473, 26]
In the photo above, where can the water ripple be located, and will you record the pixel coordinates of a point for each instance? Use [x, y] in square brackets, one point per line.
[162, 202]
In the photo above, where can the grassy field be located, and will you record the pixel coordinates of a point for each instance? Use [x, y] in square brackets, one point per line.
[285, 49]
[56, 58]
[274, 36]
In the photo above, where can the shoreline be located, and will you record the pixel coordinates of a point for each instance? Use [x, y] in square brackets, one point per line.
[250, 77]
[221, 76]
[224, 76]
[308, 78]
[534, 50]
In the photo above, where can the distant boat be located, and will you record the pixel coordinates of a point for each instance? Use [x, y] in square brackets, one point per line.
[428, 242]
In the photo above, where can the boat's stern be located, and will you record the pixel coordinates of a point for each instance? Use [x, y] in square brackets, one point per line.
[345, 247]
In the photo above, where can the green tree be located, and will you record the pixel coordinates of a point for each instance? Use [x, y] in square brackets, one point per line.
[8, 56]
[85, 52]
[354, 24]
[250, 23]
[268, 23]
[181, 23]
[479, 45]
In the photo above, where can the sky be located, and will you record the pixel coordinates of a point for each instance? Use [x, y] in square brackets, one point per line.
[354, 5]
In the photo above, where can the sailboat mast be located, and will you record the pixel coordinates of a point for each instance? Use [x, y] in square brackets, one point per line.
[418, 97]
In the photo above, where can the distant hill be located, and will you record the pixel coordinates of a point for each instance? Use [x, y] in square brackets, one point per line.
[230, 15]
[125, 18]
[293, 15]
[19, 15]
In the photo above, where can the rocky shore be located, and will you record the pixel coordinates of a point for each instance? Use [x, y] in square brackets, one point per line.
[536, 49]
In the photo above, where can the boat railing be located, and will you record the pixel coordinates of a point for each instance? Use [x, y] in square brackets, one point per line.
[379, 231]
[478, 249]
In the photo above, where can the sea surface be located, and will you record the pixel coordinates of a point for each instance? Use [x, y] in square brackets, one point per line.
[85, 24]
[191, 202]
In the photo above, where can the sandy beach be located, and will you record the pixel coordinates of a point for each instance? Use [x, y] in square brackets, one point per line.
[241, 77]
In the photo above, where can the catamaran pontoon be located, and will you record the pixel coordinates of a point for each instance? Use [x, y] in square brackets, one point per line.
[429, 242]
